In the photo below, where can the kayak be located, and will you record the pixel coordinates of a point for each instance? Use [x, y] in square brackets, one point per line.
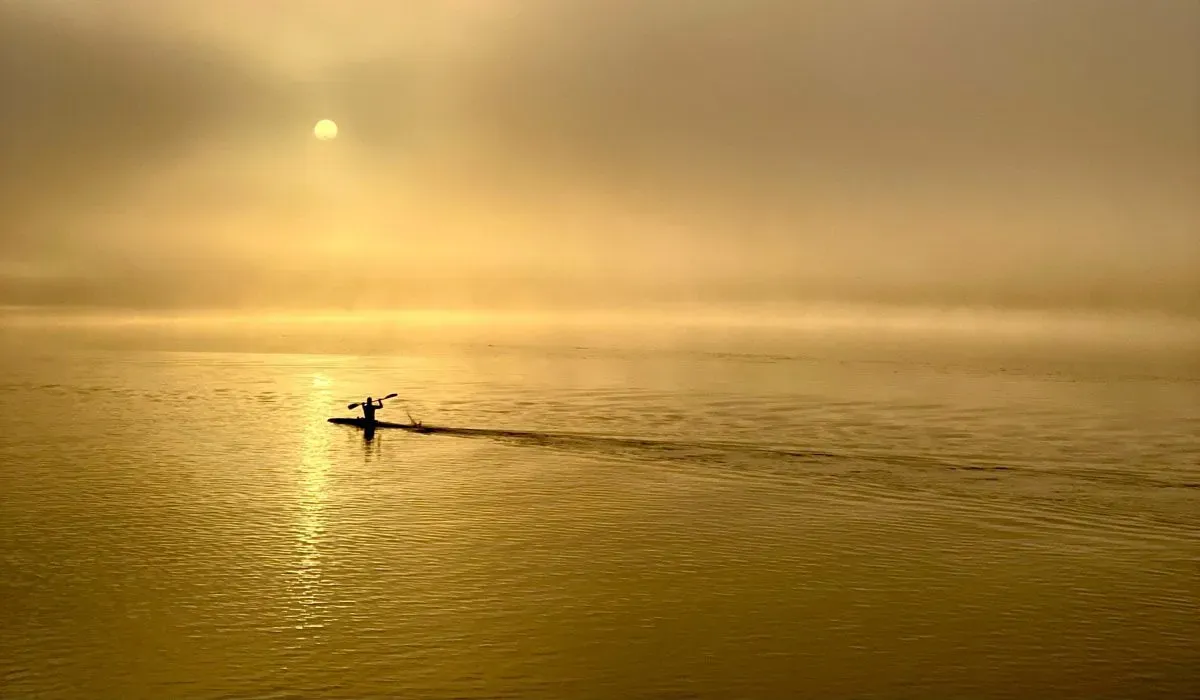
[362, 423]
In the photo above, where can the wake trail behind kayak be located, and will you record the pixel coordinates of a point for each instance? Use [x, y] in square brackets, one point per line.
[612, 445]
[898, 480]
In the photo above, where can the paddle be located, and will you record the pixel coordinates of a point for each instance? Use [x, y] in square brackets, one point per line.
[356, 405]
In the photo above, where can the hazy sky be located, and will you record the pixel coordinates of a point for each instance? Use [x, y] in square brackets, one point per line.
[1004, 152]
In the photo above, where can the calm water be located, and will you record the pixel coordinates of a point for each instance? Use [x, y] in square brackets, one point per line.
[704, 516]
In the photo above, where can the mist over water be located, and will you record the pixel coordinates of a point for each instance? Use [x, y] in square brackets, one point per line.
[770, 349]
[601, 154]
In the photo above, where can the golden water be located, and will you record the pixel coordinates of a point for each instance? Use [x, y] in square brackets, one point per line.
[708, 518]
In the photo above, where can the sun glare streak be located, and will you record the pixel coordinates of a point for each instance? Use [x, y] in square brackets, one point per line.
[308, 585]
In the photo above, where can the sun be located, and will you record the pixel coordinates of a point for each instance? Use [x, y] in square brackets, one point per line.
[325, 130]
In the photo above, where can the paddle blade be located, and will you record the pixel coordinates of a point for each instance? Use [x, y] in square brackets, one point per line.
[391, 396]
[352, 406]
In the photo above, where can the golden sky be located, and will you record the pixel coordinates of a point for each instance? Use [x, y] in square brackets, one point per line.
[606, 152]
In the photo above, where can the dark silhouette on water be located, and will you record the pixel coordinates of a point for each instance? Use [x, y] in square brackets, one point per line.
[414, 427]
[369, 407]
[368, 421]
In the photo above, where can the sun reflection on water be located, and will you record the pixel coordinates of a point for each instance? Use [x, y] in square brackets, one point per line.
[308, 586]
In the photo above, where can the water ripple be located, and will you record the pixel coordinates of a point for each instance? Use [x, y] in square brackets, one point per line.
[587, 524]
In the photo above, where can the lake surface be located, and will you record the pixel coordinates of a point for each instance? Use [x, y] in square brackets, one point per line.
[699, 515]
